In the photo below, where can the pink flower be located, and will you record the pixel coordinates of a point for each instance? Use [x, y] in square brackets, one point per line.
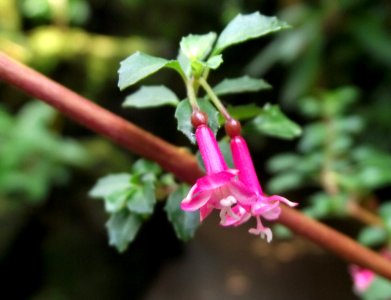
[220, 188]
[362, 278]
[266, 206]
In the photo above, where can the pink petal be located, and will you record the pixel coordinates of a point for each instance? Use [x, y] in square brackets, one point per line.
[205, 211]
[241, 193]
[282, 199]
[214, 181]
[193, 202]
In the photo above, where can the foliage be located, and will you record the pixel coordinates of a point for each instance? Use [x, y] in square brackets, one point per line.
[33, 157]
[130, 199]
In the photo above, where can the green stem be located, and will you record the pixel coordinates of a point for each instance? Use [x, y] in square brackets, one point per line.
[191, 95]
[216, 101]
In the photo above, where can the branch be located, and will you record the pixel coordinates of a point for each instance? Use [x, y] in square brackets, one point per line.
[171, 158]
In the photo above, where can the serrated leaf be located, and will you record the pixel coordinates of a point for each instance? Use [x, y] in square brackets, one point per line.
[140, 65]
[110, 184]
[197, 46]
[240, 85]
[142, 200]
[183, 116]
[185, 223]
[246, 27]
[372, 236]
[151, 96]
[273, 122]
[123, 227]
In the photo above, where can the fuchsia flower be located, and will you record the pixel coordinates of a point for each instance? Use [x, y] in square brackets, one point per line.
[362, 278]
[220, 188]
[266, 206]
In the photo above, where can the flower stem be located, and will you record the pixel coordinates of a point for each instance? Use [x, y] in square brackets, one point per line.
[216, 101]
[191, 95]
[171, 158]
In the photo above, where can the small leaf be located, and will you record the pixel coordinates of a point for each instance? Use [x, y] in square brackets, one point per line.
[122, 228]
[197, 47]
[183, 116]
[116, 201]
[274, 123]
[240, 85]
[151, 96]
[246, 27]
[143, 166]
[143, 200]
[214, 62]
[372, 236]
[185, 223]
[185, 64]
[140, 65]
[110, 184]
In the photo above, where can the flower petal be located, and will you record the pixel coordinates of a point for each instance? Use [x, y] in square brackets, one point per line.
[205, 211]
[216, 180]
[193, 201]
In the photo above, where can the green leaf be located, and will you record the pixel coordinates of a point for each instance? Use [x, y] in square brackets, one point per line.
[110, 184]
[197, 47]
[116, 201]
[283, 162]
[372, 236]
[214, 62]
[185, 223]
[313, 137]
[143, 200]
[240, 85]
[183, 116]
[185, 64]
[244, 112]
[246, 27]
[143, 166]
[380, 289]
[151, 96]
[140, 65]
[122, 228]
[284, 182]
[273, 122]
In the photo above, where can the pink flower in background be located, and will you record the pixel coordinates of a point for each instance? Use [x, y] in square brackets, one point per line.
[266, 206]
[220, 188]
[362, 278]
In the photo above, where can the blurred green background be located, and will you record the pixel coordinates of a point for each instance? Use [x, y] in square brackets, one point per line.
[53, 243]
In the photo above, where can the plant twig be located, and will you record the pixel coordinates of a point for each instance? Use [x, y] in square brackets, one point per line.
[171, 158]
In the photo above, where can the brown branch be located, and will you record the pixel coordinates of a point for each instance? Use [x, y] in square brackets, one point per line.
[173, 159]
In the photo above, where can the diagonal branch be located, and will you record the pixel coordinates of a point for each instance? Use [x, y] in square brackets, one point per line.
[173, 159]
